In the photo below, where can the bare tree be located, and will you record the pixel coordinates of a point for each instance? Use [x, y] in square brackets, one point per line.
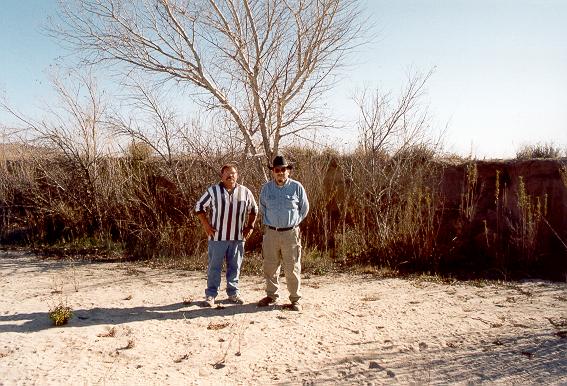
[387, 127]
[393, 159]
[262, 63]
[148, 120]
[75, 131]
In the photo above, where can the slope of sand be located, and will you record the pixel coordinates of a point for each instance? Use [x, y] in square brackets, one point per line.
[136, 325]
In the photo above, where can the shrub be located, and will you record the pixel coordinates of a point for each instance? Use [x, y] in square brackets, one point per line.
[540, 150]
[60, 314]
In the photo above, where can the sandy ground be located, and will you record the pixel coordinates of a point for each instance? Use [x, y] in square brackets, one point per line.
[134, 325]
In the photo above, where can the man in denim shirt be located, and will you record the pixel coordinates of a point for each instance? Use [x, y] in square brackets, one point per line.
[283, 205]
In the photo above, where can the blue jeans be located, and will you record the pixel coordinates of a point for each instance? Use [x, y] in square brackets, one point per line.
[219, 251]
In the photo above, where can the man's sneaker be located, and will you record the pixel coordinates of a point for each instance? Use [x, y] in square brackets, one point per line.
[296, 306]
[236, 299]
[266, 301]
[209, 301]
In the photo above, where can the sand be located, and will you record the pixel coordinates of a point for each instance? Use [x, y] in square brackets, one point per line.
[135, 325]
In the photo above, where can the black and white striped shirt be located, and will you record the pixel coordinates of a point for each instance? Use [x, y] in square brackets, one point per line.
[228, 211]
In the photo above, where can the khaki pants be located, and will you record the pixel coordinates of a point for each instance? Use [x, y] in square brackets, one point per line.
[282, 249]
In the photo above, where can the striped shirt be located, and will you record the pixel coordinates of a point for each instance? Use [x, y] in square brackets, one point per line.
[228, 211]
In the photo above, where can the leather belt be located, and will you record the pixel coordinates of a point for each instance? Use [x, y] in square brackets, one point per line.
[280, 229]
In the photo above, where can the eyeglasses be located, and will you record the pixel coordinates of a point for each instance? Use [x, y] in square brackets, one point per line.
[279, 170]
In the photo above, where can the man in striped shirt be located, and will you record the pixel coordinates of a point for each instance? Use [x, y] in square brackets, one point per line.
[232, 214]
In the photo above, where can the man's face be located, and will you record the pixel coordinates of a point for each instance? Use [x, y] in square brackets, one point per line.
[280, 175]
[229, 176]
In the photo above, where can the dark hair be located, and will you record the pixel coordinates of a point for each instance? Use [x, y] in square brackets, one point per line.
[229, 165]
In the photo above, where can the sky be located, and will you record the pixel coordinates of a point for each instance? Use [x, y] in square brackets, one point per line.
[499, 77]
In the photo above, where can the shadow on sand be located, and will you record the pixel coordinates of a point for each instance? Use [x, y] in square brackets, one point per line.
[37, 321]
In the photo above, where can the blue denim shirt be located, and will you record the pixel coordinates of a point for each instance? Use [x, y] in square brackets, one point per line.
[284, 206]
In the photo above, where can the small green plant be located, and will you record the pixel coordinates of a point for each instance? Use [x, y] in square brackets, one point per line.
[60, 314]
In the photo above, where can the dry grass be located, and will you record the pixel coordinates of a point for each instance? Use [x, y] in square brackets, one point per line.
[374, 212]
[540, 150]
[217, 326]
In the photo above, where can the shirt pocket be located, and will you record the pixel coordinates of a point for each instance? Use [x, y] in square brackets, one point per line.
[291, 201]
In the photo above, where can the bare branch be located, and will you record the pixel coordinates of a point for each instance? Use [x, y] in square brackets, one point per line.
[263, 63]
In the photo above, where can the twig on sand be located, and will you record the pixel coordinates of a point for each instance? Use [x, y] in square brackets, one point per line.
[237, 330]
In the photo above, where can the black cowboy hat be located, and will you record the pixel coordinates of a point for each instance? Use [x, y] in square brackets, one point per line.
[280, 162]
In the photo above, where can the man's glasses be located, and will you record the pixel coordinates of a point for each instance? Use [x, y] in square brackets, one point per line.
[279, 170]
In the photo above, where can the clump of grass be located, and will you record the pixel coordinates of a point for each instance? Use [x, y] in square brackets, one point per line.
[532, 213]
[469, 196]
[540, 150]
[316, 262]
[60, 314]
[380, 272]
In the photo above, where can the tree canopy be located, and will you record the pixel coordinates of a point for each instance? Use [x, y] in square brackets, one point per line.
[263, 64]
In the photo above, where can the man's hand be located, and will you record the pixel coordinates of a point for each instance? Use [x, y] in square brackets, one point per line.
[247, 231]
[207, 227]
[209, 230]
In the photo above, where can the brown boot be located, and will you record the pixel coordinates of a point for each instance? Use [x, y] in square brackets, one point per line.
[266, 301]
